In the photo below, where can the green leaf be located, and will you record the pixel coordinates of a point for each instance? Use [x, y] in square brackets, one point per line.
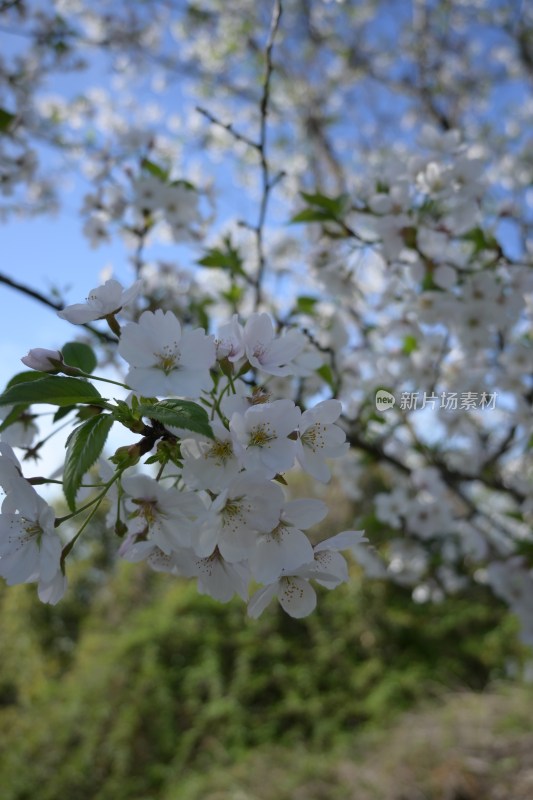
[26, 377]
[322, 208]
[306, 304]
[227, 257]
[410, 343]
[13, 416]
[314, 215]
[480, 240]
[428, 284]
[85, 444]
[184, 183]
[61, 412]
[155, 170]
[18, 410]
[179, 414]
[57, 391]
[410, 236]
[77, 354]
[326, 373]
[6, 118]
[234, 294]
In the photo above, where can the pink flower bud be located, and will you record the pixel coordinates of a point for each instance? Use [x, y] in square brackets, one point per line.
[43, 360]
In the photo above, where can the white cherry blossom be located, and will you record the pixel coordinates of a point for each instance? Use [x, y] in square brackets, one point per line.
[296, 596]
[267, 352]
[320, 439]
[249, 506]
[167, 515]
[101, 302]
[286, 547]
[217, 577]
[10, 469]
[294, 591]
[261, 436]
[210, 464]
[163, 359]
[30, 548]
[230, 340]
[135, 551]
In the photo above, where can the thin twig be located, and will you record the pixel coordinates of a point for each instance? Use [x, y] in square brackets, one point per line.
[267, 182]
[227, 126]
[57, 306]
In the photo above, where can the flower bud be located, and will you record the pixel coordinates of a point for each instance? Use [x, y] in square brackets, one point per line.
[44, 360]
[126, 456]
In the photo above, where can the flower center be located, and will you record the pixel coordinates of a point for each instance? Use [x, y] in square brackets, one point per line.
[147, 510]
[260, 436]
[221, 451]
[313, 437]
[169, 358]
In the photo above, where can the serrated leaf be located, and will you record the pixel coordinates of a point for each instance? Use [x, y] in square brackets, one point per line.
[85, 444]
[52, 389]
[179, 414]
[6, 118]
[80, 355]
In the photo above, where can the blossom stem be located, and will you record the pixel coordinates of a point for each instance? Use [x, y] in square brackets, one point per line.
[105, 380]
[96, 502]
[113, 324]
[59, 521]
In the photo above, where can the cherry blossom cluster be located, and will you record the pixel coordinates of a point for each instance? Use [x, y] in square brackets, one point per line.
[413, 274]
[216, 510]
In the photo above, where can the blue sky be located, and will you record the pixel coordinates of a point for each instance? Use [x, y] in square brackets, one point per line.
[43, 253]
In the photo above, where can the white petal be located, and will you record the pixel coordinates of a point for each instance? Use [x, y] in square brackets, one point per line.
[297, 597]
[260, 600]
[286, 550]
[51, 592]
[305, 512]
[342, 541]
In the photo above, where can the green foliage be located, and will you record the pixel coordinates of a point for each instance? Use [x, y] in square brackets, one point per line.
[410, 344]
[152, 680]
[6, 120]
[80, 355]
[226, 257]
[84, 445]
[481, 241]
[305, 304]
[180, 414]
[326, 373]
[26, 377]
[155, 170]
[57, 391]
[322, 208]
